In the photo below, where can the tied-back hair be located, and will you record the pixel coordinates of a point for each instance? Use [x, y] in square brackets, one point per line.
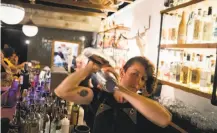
[150, 78]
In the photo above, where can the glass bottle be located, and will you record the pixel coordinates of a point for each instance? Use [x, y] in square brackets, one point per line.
[195, 73]
[74, 114]
[198, 27]
[205, 73]
[190, 28]
[182, 30]
[186, 69]
[208, 27]
[212, 65]
[215, 30]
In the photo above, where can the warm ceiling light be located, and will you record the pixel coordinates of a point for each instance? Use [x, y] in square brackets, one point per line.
[11, 14]
[30, 29]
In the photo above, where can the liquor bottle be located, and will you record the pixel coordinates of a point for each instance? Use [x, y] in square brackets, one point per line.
[74, 114]
[198, 27]
[58, 121]
[34, 123]
[212, 65]
[190, 28]
[182, 30]
[65, 125]
[186, 69]
[195, 73]
[164, 31]
[175, 25]
[205, 73]
[215, 29]
[208, 27]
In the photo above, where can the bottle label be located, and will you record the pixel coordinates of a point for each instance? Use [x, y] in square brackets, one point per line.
[215, 32]
[197, 29]
[195, 77]
[163, 34]
[207, 31]
[204, 78]
[185, 71]
[173, 34]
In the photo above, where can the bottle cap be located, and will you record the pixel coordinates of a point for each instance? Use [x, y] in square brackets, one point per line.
[210, 10]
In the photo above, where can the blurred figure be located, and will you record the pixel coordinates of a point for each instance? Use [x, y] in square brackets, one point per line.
[8, 56]
[74, 62]
[6, 75]
[81, 62]
[6, 46]
[60, 53]
[58, 60]
[14, 59]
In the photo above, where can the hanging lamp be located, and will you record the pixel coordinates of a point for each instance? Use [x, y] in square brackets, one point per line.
[11, 14]
[30, 29]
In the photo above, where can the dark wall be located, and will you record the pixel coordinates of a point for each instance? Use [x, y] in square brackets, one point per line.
[14, 37]
[38, 49]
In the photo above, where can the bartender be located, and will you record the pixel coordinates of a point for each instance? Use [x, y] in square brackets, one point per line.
[116, 111]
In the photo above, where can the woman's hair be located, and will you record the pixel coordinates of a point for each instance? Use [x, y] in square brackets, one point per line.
[8, 52]
[151, 81]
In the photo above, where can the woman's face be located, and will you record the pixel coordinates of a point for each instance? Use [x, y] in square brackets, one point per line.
[133, 78]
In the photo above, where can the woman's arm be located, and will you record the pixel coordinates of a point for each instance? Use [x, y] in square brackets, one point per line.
[147, 107]
[4, 65]
[70, 90]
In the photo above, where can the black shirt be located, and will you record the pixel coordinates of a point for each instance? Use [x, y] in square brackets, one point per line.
[90, 110]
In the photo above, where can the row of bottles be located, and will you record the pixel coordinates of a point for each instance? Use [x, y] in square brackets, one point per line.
[191, 69]
[196, 27]
[45, 114]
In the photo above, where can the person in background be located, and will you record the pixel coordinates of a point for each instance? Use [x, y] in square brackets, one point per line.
[116, 113]
[6, 75]
[74, 62]
[6, 46]
[14, 59]
[60, 53]
[57, 60]
[8, 52]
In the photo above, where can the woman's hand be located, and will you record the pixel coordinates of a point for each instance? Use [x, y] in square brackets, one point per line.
[118, 95]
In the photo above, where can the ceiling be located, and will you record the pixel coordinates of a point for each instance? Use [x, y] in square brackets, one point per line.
[69, 14]
[101, 8]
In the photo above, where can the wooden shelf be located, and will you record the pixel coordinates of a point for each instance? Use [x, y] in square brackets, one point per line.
[202, 45]
[118, 28]
[192, 2]
[186, 89]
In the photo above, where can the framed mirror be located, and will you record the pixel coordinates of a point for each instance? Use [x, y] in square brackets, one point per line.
[64, 54]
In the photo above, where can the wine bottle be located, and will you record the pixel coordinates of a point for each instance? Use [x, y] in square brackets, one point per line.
[182, 29]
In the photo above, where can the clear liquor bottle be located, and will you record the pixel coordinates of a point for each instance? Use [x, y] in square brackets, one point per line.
[215, 29]
[186, 69]
[195, 73]
[190, 28]
[198, 27]
[208, 27]
[205, 74]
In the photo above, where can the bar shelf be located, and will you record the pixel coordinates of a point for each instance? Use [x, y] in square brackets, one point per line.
[194, 45]
[185, 88]
[192, 2]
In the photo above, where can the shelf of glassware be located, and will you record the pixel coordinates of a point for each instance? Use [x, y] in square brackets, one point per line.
[193, 45]
[203, 92]
[189, 3]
